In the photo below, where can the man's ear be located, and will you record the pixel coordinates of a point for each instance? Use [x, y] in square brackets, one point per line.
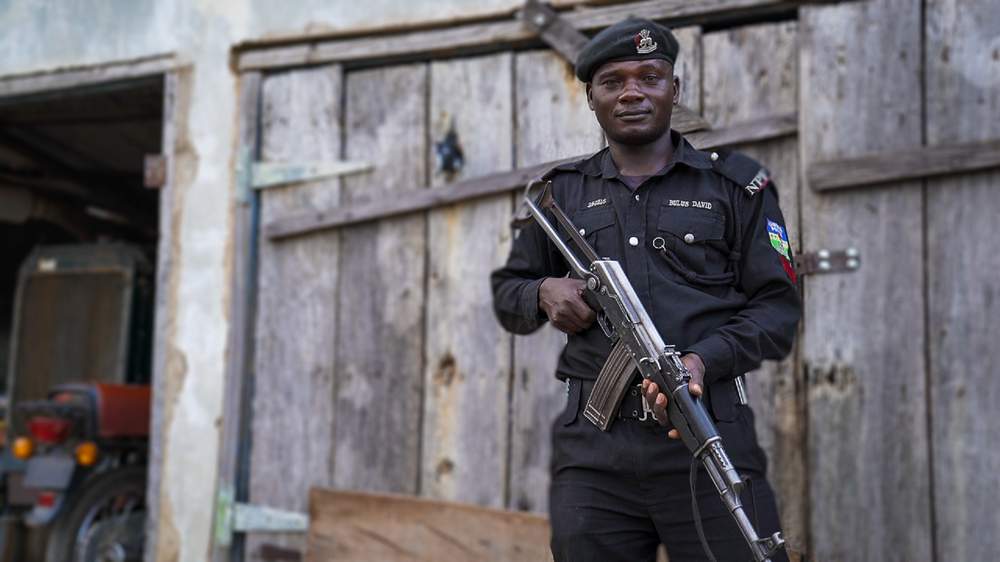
[677, 90]
[590, 97]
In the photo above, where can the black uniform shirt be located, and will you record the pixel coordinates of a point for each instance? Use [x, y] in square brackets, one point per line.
[722, 286]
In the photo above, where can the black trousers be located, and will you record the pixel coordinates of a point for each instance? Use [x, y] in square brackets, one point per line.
[617, 495]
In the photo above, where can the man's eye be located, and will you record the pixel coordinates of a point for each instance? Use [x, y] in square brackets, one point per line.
[651, 78]
[610, 83]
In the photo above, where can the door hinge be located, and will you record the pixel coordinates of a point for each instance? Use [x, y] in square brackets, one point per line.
[251, 175]
[828, 261]
[233, 517]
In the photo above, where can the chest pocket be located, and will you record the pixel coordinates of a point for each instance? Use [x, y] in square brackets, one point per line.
[692, 242]
[595, 226]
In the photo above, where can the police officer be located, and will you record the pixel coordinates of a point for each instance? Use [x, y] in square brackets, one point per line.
[702, 239]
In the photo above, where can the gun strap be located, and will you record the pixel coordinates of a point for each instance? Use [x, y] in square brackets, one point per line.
[611, 385]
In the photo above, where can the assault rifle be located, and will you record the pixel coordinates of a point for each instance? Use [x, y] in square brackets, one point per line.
[637, 344]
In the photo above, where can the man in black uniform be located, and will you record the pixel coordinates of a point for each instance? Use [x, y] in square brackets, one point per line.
[702, 240]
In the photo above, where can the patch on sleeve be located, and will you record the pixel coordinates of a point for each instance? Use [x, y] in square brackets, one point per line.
[758, 182]
[779, 241]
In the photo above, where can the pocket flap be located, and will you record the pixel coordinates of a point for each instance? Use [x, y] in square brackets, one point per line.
[594, 219]
[700, 224]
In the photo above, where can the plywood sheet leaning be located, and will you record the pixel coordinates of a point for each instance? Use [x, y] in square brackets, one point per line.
[467, 375]
[380, 326]
[863, 341]
[356, 527]
[750, 73]
[296, 308]
[963, 105]
[552, 121]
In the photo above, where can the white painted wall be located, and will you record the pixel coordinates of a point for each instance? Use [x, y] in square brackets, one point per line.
[44, 35]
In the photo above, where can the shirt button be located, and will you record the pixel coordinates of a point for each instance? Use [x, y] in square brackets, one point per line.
[583, 232]
[636, 196]
[633, 241]
[714, 156]
[689, 238]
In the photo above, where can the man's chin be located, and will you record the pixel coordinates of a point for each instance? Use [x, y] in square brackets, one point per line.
[637, 137]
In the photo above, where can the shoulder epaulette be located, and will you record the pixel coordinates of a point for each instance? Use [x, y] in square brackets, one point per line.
[743, 170]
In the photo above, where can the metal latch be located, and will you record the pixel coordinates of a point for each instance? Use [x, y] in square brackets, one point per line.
[828, 261]
[234, 517]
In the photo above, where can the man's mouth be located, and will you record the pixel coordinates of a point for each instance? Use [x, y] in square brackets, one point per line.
[633, 114]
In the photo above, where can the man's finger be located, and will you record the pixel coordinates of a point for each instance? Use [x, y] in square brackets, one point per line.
[673, 434]
[695, 389]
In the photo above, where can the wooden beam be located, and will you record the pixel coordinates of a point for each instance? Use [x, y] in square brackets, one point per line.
[422, 44]
[76, 77]
[893, 167]
[415, 200]
[357, 526]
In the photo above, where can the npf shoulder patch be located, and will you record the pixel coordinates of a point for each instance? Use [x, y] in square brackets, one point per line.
[758, 182]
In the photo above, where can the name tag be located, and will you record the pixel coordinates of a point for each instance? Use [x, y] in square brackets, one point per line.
[684, 203]
[597, 203]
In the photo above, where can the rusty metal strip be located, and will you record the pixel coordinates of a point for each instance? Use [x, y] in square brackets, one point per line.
[554, 30]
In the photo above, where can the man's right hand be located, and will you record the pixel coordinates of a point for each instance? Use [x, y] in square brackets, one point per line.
[561, 299]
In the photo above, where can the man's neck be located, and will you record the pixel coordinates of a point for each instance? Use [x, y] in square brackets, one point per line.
[642, 160]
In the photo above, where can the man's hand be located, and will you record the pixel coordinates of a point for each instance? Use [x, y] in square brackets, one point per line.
[658, 400]
[562, 300]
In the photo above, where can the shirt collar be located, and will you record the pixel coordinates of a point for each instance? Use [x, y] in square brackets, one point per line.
[602, 165]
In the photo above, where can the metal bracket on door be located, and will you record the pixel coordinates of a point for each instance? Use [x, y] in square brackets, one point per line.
[828, 261]
[234, 517]
[252, 175]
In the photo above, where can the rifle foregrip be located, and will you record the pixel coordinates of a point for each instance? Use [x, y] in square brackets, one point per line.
[688, 414]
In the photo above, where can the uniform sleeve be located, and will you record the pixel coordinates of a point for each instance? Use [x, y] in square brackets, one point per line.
[515, 285]
[765, 328]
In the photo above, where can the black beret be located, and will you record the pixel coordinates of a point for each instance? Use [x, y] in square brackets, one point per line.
[631, 39]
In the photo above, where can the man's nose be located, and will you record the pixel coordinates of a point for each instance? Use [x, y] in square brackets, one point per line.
[631, 92]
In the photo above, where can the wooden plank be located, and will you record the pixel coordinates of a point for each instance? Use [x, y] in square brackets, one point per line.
[468, 355]
[742, 86]
[919, 163]
[863, 340]
[36, 83]
[380, 325]
[356, 527]
[472, 38]
[963, 101]
[292, 429]
[236, 412]
[553, 121]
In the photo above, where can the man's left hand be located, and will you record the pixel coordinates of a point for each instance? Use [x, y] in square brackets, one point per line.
[658, 400]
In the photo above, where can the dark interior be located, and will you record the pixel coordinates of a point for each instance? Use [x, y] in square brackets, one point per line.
[71, 171]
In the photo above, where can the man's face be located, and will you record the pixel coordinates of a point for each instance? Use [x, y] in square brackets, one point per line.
[633, 100]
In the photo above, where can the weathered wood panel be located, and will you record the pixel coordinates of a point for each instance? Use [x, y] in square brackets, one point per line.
[296, 307]
[963, 105]
[354, 527]
[422, 44]
[864, 337]
[917, 163]
[742, 85]
[553, 121]
[380, 322]
[467, 375]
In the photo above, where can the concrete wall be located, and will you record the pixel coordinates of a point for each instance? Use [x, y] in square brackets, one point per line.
[42, 36]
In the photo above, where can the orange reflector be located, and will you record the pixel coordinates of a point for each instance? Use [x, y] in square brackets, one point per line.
[23, 448]
[86, 453]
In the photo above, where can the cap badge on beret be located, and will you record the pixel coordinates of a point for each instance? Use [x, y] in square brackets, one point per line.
[644, 43]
